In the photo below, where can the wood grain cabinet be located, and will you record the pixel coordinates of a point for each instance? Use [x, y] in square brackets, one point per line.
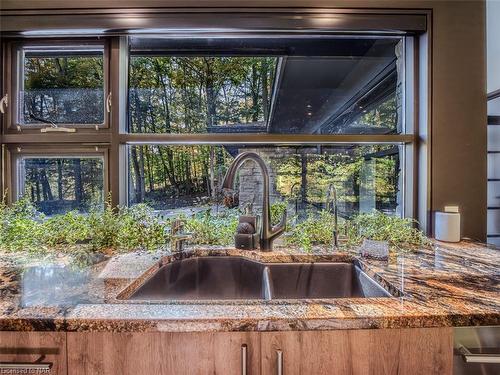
[163, 353]
[33, 353]
[358, 352]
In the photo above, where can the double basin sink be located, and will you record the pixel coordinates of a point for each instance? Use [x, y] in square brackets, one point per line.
[237, 278]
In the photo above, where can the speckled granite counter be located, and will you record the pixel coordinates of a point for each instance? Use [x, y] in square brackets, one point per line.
[450, 285]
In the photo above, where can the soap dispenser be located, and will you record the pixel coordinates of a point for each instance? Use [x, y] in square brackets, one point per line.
[246, 236]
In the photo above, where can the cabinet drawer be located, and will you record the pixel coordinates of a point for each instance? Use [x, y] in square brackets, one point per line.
[33, 353]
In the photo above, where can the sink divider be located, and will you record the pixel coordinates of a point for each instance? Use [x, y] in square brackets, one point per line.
[267, 284]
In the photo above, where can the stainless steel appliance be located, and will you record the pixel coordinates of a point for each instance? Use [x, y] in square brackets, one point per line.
[476, 351]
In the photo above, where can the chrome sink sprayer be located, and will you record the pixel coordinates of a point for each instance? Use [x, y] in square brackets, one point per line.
[268, 233]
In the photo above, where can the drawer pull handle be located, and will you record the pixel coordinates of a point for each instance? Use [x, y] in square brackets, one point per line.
[280, 362]
[469, 357]
[244, 352]
[25, 366]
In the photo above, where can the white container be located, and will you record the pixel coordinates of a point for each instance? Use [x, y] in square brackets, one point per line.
[447, 225]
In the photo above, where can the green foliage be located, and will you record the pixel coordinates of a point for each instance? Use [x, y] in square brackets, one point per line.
[315, 173]
[65, 72]
[140, 227]
[24, 229]
[104, 227]
[129, 228]
[21, 227]
[315, 230]
[66, 229]
[398, 232]
[278, 209]
[126, 228]
[208, 229]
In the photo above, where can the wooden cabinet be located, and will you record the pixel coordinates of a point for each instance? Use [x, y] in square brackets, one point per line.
[378, 351]
[33, 352]
[425, 351]
[162, 353]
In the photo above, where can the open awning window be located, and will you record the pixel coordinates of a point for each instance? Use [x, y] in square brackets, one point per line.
[302, 85]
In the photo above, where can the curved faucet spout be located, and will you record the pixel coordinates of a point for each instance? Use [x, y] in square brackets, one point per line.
[268, 233]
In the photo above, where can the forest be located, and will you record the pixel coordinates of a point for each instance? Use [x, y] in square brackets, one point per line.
[185, 95]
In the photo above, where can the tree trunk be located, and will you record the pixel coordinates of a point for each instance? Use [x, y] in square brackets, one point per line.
[37, 184]
[213, 192]
[303, 176]
[77, 167]
[60, 180]
[142, 181]
[211, 94]
[46, 190]
[139, 180]
[255, 93]
[265, 92]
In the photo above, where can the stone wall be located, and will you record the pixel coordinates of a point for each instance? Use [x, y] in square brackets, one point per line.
[250, 177]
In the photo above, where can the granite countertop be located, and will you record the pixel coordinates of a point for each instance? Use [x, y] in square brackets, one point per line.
[448, 285]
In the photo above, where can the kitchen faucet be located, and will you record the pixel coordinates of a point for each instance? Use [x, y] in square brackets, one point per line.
[178, 236]
[268, 233]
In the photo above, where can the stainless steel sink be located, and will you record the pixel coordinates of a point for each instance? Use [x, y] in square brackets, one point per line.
[229, 278]
[204, 278]
[322, 280]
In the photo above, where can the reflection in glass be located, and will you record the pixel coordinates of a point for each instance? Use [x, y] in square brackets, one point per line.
[187, 179]
[54, 285]
[62, 85]
[351, 85]
[60, 184]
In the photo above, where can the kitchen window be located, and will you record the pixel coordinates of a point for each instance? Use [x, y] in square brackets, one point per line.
[327, 111]
[364, 178]
[57, 180]
[59, 85]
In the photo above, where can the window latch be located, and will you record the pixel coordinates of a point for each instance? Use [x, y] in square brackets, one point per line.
[4, 103]
[108, 103]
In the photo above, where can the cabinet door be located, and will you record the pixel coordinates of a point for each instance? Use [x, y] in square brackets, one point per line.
[377, 351]
[162, 353]
[33, 352]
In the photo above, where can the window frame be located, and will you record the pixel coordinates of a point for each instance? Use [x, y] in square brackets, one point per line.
[15, 67]
[16, 153]
[407, 140]
[116, 138]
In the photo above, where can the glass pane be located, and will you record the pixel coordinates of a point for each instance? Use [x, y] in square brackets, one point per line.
[186, 180]
[60, 184]
[494, 107]
[200, 94]
[62, 85]
[350, 85]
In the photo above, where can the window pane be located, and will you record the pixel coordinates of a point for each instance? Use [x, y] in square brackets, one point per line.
[62, 85]
[59, 184]
[200, 94]
[186, 179]
[329, 86]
